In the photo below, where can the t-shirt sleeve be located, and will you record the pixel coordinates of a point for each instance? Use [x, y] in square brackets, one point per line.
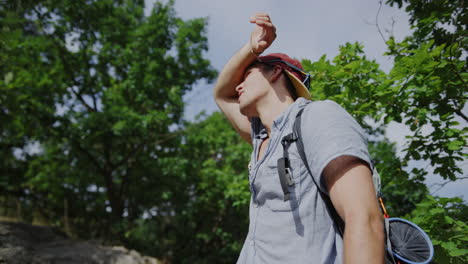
[328, 132]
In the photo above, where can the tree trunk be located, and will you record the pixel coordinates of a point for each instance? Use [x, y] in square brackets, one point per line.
[18, 209]
[65, 217]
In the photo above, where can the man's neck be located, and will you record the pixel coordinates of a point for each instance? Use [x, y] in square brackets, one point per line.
[269, 112]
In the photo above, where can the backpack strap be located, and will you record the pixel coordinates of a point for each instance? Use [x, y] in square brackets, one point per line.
[339, 223]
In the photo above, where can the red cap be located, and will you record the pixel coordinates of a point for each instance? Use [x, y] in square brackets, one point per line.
[296, 72]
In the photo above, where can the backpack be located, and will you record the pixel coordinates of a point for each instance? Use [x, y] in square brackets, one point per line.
[405, 242]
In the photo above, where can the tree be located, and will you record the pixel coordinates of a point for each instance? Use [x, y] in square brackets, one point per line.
[430, 75]
[98, 86]
[400, 191]
[209, 221]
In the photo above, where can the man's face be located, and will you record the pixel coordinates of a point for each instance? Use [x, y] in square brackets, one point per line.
[253, 88]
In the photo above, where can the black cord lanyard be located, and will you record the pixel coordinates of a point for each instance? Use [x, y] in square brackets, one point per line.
[284, 169]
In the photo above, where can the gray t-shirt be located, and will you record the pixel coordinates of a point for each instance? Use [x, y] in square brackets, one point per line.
[299, 230]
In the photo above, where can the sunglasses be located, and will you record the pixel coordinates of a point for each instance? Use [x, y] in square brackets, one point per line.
[306, 81]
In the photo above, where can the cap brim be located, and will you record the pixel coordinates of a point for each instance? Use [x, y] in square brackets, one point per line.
[301, 89]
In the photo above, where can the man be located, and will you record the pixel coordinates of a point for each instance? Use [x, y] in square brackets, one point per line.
[260, 96]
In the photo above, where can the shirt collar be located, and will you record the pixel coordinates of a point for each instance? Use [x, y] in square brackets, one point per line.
[289, 113]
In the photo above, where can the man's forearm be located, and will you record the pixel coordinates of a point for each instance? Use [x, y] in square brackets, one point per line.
[232, 73]
[364, 240]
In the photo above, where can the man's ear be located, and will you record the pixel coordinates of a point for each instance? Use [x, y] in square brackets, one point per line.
[276, 73]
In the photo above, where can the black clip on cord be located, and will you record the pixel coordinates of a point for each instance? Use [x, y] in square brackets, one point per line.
[284, 170]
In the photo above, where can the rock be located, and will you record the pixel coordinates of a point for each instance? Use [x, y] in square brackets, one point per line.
[26, 244]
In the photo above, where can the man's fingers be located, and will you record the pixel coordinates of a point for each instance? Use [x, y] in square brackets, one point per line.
[263, 23]
[262, 44]
[266, 18]
[260, 16]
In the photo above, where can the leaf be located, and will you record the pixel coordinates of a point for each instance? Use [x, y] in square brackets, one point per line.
[8, 77]
[456, 252]
[455, 145]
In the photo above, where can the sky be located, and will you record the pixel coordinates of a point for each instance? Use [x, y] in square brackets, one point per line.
[306, 29]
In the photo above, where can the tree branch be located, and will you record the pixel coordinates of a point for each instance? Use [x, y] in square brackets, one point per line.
[442, 185]
[460, 113]
[458, 110]
[67, 67]
[125, 181]
[89, 155]
[377, 22]
[81, 99]
[93, 95]
[454, 69]
[132, 154]
[94, 101]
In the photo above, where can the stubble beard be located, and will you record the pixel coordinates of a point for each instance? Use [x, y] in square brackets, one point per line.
[248, 108]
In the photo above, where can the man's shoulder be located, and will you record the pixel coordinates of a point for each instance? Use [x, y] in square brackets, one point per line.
[321, 111]
[322, 105]
[328, 116]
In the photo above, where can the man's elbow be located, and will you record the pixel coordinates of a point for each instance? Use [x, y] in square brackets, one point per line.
[222, 95]
[217, 93]
[371, 223]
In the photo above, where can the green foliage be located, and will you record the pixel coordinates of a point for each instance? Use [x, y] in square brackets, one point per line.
[431, 95]
[400, 191]
[217, 157]
[352, 81]
[208, 217]
[443, 21]
[98, 87]
[430, 76]
[444, 219]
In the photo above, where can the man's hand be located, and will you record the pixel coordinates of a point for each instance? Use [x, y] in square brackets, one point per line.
[263, 34]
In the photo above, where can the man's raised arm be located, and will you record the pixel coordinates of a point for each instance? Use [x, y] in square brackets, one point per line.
[232, 75]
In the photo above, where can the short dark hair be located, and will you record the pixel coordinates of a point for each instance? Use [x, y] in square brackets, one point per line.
[288, 83]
